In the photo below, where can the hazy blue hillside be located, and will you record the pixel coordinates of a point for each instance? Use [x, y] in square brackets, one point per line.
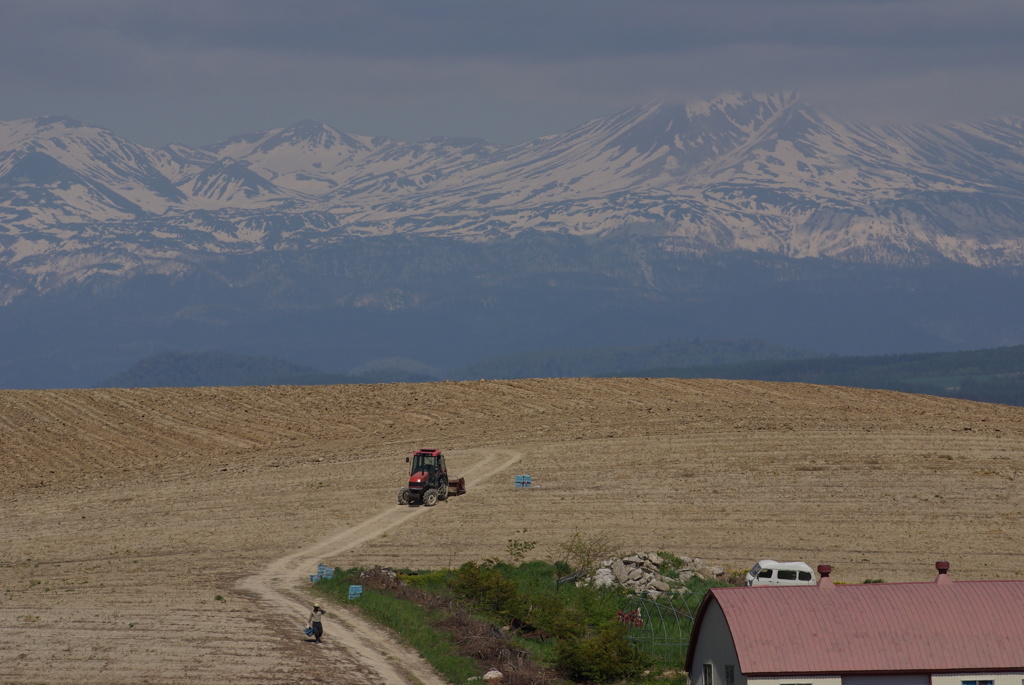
[197, 369]
[450, 304]
[993, 375]
[600, 361]
[206, 369]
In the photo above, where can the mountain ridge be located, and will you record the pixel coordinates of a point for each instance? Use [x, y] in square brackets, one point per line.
[737, 173]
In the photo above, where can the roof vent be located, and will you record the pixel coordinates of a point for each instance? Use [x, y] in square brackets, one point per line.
[825, 583]
[943, 568]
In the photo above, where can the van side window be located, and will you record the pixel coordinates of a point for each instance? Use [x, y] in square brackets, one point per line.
[805, 576]
[767, 573]
[787, 575]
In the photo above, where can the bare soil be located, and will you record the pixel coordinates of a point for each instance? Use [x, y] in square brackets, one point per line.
[167, 535]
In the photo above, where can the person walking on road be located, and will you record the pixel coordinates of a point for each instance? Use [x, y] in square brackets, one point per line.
[315, 623]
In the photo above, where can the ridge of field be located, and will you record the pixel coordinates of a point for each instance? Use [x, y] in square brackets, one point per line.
[132, 515]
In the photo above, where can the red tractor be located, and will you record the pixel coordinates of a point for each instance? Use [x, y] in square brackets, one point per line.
[428, 480]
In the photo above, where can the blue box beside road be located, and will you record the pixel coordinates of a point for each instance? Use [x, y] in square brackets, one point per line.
[322, 571]
[524, 481]
[355, 591]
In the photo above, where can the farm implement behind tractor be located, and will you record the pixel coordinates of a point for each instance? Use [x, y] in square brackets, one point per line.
[428, 480]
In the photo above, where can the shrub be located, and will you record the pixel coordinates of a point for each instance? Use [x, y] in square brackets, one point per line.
[608, 655]
[487, 588]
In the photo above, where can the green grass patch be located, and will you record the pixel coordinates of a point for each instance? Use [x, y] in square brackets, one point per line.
[580, 632]
[411, 621]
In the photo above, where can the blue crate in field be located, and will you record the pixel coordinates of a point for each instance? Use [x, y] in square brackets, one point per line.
[355, 591]
[524, 481]
[314, 577]
[327, 573]
[321, 568]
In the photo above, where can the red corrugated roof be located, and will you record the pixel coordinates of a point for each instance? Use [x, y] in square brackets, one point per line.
[931, 627]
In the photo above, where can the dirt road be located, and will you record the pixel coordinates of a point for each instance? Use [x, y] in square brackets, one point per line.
[364, 649]
[161, 536]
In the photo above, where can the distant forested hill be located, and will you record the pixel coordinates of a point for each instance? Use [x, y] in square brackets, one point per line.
[993, 375]
[607, 361]
[207, 369]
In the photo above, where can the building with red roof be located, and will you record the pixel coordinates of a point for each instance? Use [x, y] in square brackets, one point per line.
[936, 633]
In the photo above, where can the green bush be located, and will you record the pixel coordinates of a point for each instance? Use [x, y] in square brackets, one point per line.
[487, 589]
[608, 655]
[435, 582]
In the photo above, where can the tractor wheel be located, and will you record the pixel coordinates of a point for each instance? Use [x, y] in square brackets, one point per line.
[442, 491]
[430, 498]
[403, 496]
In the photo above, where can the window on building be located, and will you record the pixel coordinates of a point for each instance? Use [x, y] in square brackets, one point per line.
[730, 675]
[709, 674]
[980, 682]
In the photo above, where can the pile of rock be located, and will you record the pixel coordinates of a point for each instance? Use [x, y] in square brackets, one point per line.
[642, 574]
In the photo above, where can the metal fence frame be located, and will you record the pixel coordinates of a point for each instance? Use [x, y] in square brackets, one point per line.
[659, 628]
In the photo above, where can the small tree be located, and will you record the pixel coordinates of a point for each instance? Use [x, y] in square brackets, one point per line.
[585, 552]
[518, 549]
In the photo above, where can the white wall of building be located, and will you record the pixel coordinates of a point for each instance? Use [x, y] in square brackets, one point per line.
[715, 647]
[798, 680]
[889, 679]
[979, 678]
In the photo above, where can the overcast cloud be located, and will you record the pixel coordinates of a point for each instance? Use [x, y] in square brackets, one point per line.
[198, 71]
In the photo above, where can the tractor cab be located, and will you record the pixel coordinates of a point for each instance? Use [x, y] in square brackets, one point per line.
[427, 462]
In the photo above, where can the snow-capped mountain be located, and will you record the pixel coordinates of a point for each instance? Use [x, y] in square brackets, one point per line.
[735, 174]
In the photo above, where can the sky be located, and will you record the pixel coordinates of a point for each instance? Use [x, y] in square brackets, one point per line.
[195, 72]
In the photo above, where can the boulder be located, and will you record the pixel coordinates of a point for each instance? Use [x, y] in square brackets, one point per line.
[603, 577]
[620, 571]
[640, 573]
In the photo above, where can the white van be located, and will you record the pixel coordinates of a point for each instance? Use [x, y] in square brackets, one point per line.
[770, 572]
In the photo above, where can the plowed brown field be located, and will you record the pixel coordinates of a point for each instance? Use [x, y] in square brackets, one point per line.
[164, 535]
